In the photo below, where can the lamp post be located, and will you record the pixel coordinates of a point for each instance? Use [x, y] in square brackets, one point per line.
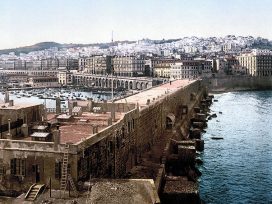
[112, 71]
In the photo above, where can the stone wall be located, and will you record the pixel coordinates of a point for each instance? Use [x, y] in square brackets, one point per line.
[110, 153]
[235, 83]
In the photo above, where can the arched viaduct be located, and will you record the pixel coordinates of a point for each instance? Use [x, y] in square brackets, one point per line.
[129, 83]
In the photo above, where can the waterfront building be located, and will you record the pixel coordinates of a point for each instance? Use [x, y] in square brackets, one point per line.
[65, 77]
[82, 64]
[96, 64]
[257, 62]
[161, 67]
[128, 66]
[43, 82]
[191, 69]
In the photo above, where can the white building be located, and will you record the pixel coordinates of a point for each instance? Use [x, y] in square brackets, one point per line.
[65, 77]
[190, 69]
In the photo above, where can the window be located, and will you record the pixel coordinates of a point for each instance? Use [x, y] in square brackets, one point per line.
[17, 167]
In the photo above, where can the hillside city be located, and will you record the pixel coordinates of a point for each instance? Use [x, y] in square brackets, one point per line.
[188, 57]
[119, 122]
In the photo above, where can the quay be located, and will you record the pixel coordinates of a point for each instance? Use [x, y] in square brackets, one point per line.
[153, 135]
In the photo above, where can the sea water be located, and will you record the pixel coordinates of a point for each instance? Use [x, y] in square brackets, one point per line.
[238, 169]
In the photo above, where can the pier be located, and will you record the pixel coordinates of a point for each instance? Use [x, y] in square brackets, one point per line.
[147, 135]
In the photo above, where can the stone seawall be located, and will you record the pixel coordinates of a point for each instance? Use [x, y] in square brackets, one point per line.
[239, 83]
[116, 149]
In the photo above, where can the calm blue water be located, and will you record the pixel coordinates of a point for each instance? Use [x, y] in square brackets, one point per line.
[238, 169]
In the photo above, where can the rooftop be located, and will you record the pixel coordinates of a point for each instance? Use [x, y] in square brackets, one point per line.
[5, 106]
[82, 126]
[141, 98]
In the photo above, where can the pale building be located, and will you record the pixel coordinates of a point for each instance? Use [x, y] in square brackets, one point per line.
[257, 63]
[96, 64]
[161, 67]
[191, 69]
[129, 66]
[65, 77]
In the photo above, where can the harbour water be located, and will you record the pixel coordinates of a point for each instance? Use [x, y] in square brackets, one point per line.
[238, 169]
[47, 96]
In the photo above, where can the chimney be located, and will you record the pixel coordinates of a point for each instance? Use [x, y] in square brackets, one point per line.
[70, 107]
[56, 137]
[45, 113]
[6, 96]
[24, 130]
[11, 103]
[58, 110]
[9, 133]
[104, 106]
[95, 129]
[74, 103]
[113, 112]
[109, 121]
[90, 105]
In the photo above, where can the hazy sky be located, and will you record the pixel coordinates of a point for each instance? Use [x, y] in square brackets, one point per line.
[25, 22]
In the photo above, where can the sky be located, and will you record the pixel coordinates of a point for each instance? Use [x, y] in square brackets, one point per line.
[26, 22]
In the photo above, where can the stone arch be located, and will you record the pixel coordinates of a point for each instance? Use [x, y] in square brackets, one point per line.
[138, 85]
[122, 84]
[118, 83]
[96, 82]
[114, 83]
[142, 85]
[89, 83]
[170, 121]
[130, 85]
[126, 84]
[103, 82]
[107, 83]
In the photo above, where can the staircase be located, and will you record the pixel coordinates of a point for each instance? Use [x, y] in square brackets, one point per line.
[33, 191]
[65, 176]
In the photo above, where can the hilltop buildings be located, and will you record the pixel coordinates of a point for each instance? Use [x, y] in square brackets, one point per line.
[175, 59]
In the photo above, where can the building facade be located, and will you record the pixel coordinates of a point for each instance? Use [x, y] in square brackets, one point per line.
[130, 66]
[43, 82]
[191, 69]
[256, 63]
[96, 64]
[65, 77]
[162, 67]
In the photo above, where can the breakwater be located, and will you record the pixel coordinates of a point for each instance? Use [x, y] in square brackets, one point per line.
[239, 83]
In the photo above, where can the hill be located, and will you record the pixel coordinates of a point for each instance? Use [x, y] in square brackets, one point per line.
[47, 45]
